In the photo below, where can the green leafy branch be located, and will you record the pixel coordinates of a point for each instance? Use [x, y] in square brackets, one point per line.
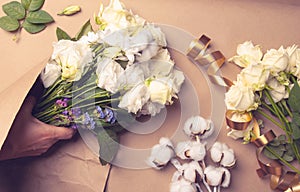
[27, 15]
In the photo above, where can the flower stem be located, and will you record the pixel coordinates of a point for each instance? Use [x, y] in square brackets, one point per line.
[260, 111]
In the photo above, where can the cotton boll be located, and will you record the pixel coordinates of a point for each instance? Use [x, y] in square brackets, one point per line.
[197, 151]
[198, 126]
[161, 154]
[216, 176]
[228, 159]
[191, 170]
[182, 186]
[182, 149]
[221, 153]
[191, 150]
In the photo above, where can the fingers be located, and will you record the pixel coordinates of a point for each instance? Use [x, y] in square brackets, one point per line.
[62, 133]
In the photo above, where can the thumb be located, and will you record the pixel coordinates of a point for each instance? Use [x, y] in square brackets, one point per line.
[62, 133]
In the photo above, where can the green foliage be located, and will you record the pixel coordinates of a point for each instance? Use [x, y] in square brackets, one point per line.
[33, 28]
[60, 34]
[39, 17]
[294, 99]
[35, 5]
[281, 147]
[109, 144]
[14, 9]
[87, 27]
[8, 23]
[25, 14]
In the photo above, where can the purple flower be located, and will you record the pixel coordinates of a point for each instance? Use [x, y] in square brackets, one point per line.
[100, 111]
[109, 116]
[76, 111]
[89, 122]
[65, 112]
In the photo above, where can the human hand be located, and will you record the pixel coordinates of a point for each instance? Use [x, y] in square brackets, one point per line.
[30, 137]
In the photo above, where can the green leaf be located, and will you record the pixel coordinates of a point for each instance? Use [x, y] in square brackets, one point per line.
[87, 27]
[296, 131]
[296, 118]
[294, 98]
[270, 155]
[33, 28]
[8, 23]
[14, 9]
[26, 3]
[60, 34]
[39, 17]
[35, 5]
[288, 158]
[109, 145]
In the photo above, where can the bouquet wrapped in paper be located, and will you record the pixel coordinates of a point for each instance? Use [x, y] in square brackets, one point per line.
[101, 79]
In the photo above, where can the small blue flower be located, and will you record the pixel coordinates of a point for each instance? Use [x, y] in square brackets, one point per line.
[65, 112]
[89, 122]
[76, 112]
[110, 116]
[100, 111]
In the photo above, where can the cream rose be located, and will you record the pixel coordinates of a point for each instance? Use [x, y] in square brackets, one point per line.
[277, 90]
[135, 98]
[109, 72]
[240, 98]
[247, 54]
[254, 76]
[50, 74]
[115, 17]
[72, 57]
[294, 61]
[276, 60]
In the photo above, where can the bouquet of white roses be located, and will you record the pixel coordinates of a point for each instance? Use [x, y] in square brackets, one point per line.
[100, 78]
[268, 85]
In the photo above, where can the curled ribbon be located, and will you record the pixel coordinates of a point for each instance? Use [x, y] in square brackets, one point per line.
[215, 60]
[287, 182]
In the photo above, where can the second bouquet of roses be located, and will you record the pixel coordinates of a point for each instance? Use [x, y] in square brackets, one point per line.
[101, 79]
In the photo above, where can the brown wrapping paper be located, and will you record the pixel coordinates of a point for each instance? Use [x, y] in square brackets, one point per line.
[71, 165]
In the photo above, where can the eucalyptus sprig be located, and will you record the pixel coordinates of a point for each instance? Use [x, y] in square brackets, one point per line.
[26, 14]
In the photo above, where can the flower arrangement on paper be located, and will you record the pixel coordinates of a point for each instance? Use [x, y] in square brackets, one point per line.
[268, 86]
[101, 79]
[194, 173]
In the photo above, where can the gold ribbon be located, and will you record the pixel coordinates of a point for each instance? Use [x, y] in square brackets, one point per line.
[215, 60]
[287, 182]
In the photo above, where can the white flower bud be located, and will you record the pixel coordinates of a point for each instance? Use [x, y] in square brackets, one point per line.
[217, 176]
[191, 150]
[182, 186]
[198, 126]
[220, 153]
[161, 154]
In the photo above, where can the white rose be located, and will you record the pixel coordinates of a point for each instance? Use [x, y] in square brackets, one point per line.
[254, 76]
[108, 72]
[294, 61]
[160, 92]
[134, 99]
[133, 75]
[163, 89]
[50, 74]
[277, 90]
[91, 37]
[240, 98]
[151, 108]
[115, 17]
[276, 60]
[247, 54]
[72, 57]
